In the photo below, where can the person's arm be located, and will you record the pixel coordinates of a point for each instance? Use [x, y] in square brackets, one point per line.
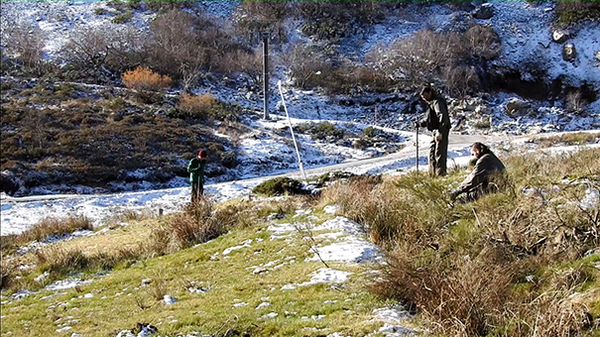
[476, 177]
[201, 171]
[441, 111]
[192, 166]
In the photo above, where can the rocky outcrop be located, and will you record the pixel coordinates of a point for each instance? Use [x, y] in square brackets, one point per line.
[483, 12]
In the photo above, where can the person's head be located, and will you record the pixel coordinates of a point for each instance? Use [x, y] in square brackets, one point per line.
[478, 149]
[202, 154]
[427, 93]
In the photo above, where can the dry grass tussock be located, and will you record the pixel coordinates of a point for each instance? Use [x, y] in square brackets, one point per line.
[198, 223]
[44, 229]
[506, 265]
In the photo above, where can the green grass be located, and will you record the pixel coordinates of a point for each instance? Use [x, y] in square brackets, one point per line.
[229, 281]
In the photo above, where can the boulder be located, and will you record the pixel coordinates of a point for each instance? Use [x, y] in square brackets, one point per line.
[569, 52]
[483, 12]
[560, 35]
[597, 56]
[517, 107]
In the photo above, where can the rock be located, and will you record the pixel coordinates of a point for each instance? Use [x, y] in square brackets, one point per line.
[146, 282]
[597, 56]
[517, 107]
[569, 52]
[560, 35]
[259, 271]
[483, 12]
[168, 299]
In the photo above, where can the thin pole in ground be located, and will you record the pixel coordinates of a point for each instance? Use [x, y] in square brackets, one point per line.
[417, 147]
[292, 131]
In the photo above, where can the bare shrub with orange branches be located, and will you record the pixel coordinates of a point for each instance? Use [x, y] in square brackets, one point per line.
[144, 79]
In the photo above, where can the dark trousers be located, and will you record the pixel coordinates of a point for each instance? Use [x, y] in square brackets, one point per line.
[197, 191]
[438, 153]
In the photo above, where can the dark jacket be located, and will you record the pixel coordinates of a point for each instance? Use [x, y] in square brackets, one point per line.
[487, 166]
[437, 114]
[196, 170]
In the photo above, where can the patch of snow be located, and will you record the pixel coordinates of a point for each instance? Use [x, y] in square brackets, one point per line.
[352, 250]
[66, 284]
[270, 315]
[263, 305]
[591, 199]
[169, 300]
[331, 209]
[327, 275]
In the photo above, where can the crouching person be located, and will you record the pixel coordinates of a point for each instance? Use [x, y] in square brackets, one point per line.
[487, 175]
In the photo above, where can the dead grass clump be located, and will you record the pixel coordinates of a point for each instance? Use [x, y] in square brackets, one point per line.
[198, 223]
[460, 295]
[59, 261]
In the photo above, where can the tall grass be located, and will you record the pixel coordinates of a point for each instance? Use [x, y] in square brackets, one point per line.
[44, 229]
[495, 267]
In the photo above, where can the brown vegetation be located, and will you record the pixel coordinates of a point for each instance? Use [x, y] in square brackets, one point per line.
[85, 143]
[493, 267]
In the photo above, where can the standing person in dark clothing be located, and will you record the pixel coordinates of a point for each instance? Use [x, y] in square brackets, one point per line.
[437, 121]
[196, 170]
[488, 169]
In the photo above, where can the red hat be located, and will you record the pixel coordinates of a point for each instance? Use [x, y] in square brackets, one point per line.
[202, 154]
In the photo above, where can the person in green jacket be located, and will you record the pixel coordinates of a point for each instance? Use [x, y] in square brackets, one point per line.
[196, 170]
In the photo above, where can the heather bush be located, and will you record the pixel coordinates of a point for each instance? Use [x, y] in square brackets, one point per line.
[167, 5]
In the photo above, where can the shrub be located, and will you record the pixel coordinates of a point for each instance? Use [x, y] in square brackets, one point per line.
[198, 106]
[123, 18]
[426, 56]
[331, 20]
[144, 79]
[24, 41]
[167, 5]
[279, 186]
[197, 42]
[106, 46]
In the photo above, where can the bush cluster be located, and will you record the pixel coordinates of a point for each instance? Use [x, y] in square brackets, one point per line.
[459, 59]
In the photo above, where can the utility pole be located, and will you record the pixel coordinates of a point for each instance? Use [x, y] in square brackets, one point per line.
[265, 37]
